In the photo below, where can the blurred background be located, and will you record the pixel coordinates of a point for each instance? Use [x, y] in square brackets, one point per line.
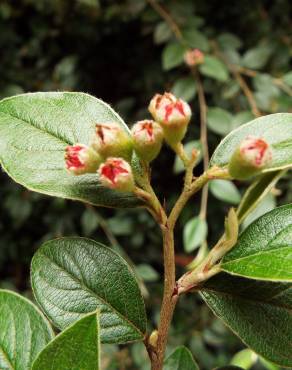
[123, 52]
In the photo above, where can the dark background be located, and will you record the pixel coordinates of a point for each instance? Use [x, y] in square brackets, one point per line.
[114, 50]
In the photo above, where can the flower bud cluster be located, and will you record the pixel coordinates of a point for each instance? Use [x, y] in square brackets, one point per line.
[110, 150]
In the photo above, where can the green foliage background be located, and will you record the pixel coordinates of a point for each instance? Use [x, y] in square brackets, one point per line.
[123, 52]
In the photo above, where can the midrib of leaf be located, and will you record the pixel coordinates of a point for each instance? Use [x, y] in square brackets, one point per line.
[93, 293]
[256, 254]
[33, 124]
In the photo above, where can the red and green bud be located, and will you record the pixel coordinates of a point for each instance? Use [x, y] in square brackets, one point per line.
[172, 114]
[111, 140]
[81, 159]
[116, 174]
[147, 138]
[250, 158]
[194, 57]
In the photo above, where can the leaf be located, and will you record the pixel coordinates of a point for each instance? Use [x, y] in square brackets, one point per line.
[245, 358]
[74, 276]
[229, 41]
[180, 359]
[256, 193]
[267, 204]
[257, 57]
[77, 347]
[185, 88]
[194, 233]
[276, 129]
[172, 55]
[264, 250]
[24, 331]
[219, 121]
[229, 367]
[196, 39]
[36, 128]
[214, 68]
[178, 163]
[259, 312]
[147, 272]
[287, 78]
[162, 33]
[225, 190]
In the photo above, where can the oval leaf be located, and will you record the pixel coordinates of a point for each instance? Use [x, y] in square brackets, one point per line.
[276, 129]
[225, 190]
[214, 68]
[34, 132]
[195, 232]
[77, 347]
[259, 312]
[24, 331]
[74, 276]
[180, 359]
[264, 249]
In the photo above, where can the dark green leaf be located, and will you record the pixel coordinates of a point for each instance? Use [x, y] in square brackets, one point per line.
[195, 232]
[36, 128]
[258, 312]
[229, 41]
[24, 331]
[77, 347]
[180, 359]
[214, 68]
[162, 33]
[74, 276]
[172, 55]
[225, 190]
[264, 249]
[277, 131]
[257, 57]
[196, 39]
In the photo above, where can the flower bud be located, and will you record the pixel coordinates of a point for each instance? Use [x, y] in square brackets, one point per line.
[172, 114]
[111, 140]
[194, 57]
[116, 174]
[81, 159]
[251, 157]
[147, 137]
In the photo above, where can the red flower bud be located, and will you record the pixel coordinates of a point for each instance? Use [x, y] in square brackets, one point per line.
[147, 137]
[81, 159]
[172, 114]
[194, 57]
[111, 140]
[116, 174]
[250, 158]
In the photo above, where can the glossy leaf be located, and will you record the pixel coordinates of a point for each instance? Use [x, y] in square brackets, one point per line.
[276, 129]
[24, 331]
[266, 205]
[264, 249]
[245, 358]
[259, 312]
[77, 347]
[180, 359]
[34, 132]
[172, 55]
[74, 276]
[214, 68]
[256, 193]
[225, 190]
[195, 232]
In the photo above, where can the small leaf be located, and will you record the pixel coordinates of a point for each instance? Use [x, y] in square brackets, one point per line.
[89, 221]
[24, 331]
[257, 57]
[219, 121]
[256, 193]
[147, 272]
[240, 118]
[77, 347]
[287, 78]
[178, 164]
[180, 359]
[195, 232]
[229, 41]
[74, 276]
[185, 88]
[172, 55]
[245, 358]
[196, 39]
[225, 190]
[34, 132]
[276, 129]
[259, 312]
[264, 249]
[229, 367]
[267, 204]
[214, 68]
[162, 33]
